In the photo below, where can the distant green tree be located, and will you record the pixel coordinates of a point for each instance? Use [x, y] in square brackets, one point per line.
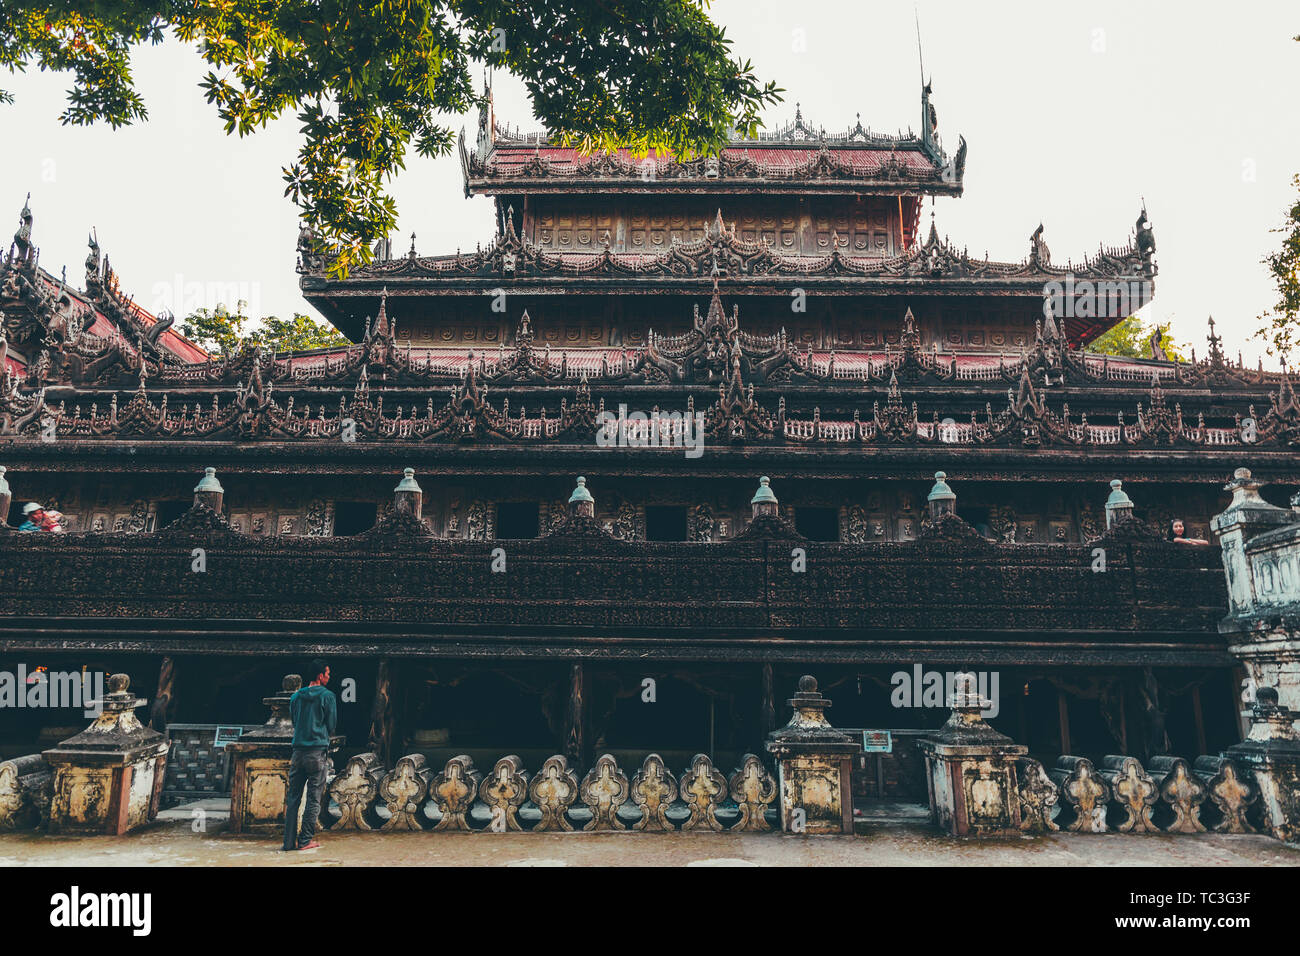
[369, 78]
[223, 333]
[1132, 339]
[1284, 265]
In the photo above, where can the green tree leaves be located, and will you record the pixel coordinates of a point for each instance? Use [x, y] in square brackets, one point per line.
[369, 78]
[224, 333]
[1131, 339]
[1284, 266]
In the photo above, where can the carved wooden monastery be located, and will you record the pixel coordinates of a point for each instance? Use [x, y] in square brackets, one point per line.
[696, 339]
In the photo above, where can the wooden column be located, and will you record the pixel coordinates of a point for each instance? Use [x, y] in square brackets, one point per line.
[1063, 710]
[381, 716]
[1200, 720]
[575, 717]
[163, 698]
[767, 704]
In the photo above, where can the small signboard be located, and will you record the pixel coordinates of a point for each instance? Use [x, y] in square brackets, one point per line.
[877, 742]
[227, 735]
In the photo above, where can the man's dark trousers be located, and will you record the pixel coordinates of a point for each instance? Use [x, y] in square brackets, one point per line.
[307, 770]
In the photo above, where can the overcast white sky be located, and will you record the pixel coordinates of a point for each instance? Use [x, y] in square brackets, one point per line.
[1073, 112]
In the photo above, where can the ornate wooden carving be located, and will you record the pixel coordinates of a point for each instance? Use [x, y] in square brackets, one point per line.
[381, 720]
[553, 791]
[163, 700]
[753, 789]
[1133, 790]
[404, 789]
[575, 715]
[653, 789]
[604, 790]
[453, 792]
[1229, 791]
[767, 705]
[504, 791]
[1182, 790]
[1084, 791]
[356, 791]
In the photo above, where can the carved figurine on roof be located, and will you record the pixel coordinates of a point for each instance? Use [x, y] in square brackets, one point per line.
[736, 416]
[22, 253]
[380, 338]
[1047, 360]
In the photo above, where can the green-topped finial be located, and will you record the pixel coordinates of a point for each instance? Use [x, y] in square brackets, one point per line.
[1118, 505]
[209, 482]
[941, 499]
[1118, 497]
[580, 493]
[941, 491]
[764, 493]
[408, 498]
[408, 482]
[764, 500]
[581, 502]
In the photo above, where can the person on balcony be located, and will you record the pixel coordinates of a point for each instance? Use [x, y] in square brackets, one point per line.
[39, 519]
[1178, 531]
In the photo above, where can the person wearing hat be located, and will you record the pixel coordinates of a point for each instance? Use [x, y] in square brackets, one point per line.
[38, 519]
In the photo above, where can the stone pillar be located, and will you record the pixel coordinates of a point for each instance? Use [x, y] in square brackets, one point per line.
[1246, 516]
[6, 498]
[209, 493]
[1119, 507]
[941, 500]
[26, 786]
[108, 778]
[408, 498]
[260, 766]
[1270, 757]
[581, 504]
[813, 765]
[971, 770]
[1261, 557]
[764, 502]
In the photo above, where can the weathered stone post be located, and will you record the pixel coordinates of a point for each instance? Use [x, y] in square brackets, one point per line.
[209, 493]
[108, 778]
[1270, 757]
[26, 785]
[971, 769]
[1119, 507]
[813, 765]
[6, 499]
[581, 504]
[1247, 516]
[260, 767]
[942, 500]
[408, 497]
[764, 502]
[1261, 557]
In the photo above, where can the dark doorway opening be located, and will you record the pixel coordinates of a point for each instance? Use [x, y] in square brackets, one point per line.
[353, 517]
[818, 524]
[665, 523]
[517, 519]
[169, 511]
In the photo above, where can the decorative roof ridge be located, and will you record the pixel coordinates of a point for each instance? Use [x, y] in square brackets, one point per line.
[796, 132]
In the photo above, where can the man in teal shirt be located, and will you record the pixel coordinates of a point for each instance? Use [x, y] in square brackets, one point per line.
[315, 714]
